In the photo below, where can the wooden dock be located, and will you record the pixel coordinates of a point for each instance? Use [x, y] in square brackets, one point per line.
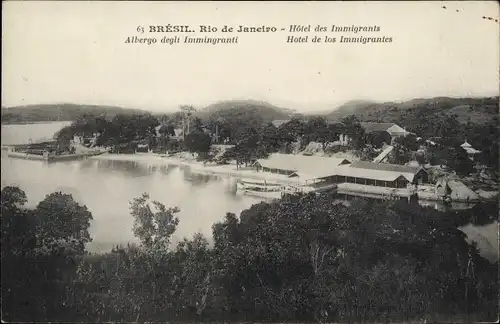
[50, 158]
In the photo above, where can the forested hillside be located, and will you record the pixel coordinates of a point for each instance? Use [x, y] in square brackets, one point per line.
[248, 109]
[475, 110]
[58, 112]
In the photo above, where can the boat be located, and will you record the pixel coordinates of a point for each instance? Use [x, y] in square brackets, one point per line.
[265, 189]
[258, 185]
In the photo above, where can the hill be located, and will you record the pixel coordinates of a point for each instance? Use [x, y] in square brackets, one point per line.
[475, 110]
[58, 112]
[251, 109]
[349, 108]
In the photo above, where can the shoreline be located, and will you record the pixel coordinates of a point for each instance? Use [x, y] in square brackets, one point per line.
[195, 166]
[230, 170]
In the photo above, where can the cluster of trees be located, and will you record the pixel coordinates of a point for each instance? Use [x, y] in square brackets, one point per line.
[301, 258]
[253, 143]
[449, 132]
[41, 249]
[253, 138]
[121, 129]
[58, 112]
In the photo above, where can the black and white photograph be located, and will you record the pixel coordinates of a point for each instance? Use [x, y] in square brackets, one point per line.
[224, 161]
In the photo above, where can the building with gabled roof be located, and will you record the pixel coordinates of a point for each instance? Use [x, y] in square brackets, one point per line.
[393, 130]
[338, 170]
[414, 175]
[288, 164]
[471, 152]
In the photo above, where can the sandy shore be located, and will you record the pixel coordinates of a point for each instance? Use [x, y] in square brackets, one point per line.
[196, 166]
[230, 170]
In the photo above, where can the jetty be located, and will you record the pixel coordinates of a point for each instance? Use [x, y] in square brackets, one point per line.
[363, 178]
[45, 151]
[51, 157]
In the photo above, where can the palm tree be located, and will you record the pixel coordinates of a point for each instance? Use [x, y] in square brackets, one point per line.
[219, 121]
[186, 111]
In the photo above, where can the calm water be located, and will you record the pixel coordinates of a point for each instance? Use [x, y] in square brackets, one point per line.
[107, 187]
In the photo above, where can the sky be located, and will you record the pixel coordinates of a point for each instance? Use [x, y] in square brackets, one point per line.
[75, 52]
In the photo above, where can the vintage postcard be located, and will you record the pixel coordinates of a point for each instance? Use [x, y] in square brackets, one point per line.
[250, 161]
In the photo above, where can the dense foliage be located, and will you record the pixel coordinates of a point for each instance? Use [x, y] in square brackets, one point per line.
[301, 258]
[446, 121]
[58, 112]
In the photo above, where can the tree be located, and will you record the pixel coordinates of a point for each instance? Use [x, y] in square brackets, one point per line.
[142, 282]
[195, 288]
[421, 159]
[400, 155]
[354, 130]
[64, 137]
[319, 131]
[153, 227]
[249, 147]
[40, 250]
[198, 142]
[63, 222]
[167, 130]
[292, 129]
[196, 125]
[461, 162]
[378, 139]
[408, 142]
[270, 139]
[186, 113]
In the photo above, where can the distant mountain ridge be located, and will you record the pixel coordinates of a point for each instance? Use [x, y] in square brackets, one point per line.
[261, 110]
[59, 112]
[477, 110]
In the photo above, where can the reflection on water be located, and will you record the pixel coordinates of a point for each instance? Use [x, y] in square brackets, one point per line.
[107, 187]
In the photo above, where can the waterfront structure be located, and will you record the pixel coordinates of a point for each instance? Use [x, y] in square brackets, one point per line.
[288, 164]
[341, 170]
[362, 178]
[381, 175]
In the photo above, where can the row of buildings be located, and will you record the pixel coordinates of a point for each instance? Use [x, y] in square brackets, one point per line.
[387, 131]
[368, 178]
[310, 169]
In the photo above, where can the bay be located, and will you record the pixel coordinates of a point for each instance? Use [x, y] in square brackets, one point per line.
[107, 187]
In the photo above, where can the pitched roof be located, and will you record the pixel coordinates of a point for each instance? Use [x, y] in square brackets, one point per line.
[398, 130]
[471, 150]
[381, 175]
[382, 171]
[385, 167]
[314, 166]
[383, 154]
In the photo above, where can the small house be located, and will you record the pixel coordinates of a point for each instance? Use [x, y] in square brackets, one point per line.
[391, 129]
[471, 152]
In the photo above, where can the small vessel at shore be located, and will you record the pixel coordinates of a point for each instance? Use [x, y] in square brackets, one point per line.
[268, 189]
